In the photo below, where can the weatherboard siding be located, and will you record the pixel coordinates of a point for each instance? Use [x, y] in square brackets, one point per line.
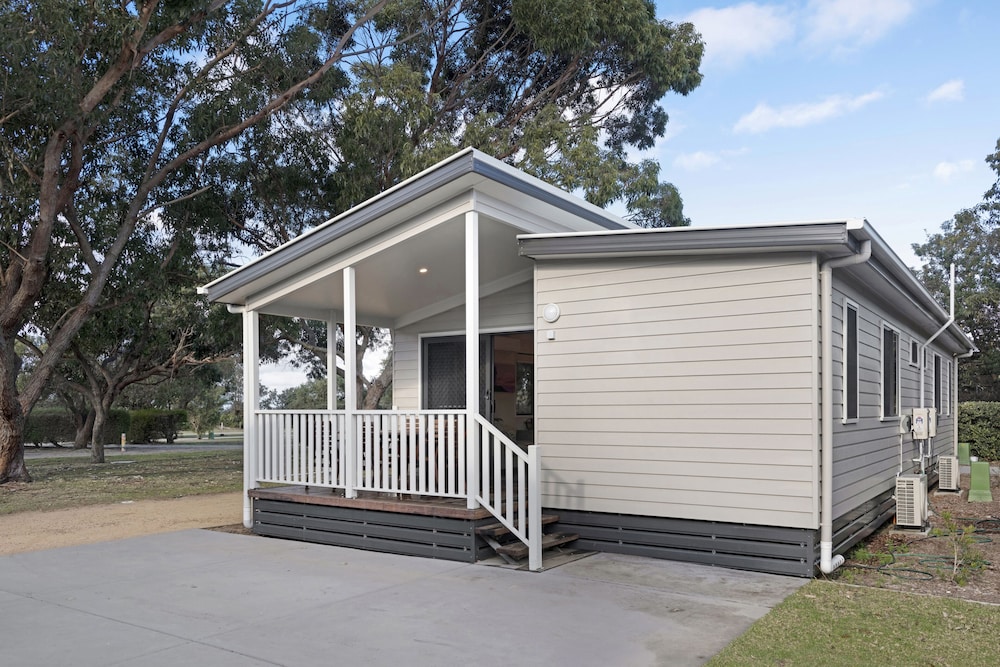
[507, 310]
[867, 451]
[680, 387]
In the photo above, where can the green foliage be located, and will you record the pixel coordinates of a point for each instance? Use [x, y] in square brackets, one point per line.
[966, 558]
[971, 241]
[56, 425]
[149, 425]
[979, 425]
[308, 396]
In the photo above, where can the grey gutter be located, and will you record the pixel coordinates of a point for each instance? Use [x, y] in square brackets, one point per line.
[461, 164]
[819, 237]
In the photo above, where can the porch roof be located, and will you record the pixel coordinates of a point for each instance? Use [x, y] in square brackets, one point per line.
[416, 224]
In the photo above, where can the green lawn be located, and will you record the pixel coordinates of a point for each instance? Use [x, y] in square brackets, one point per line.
[831, 624]
[74, 482]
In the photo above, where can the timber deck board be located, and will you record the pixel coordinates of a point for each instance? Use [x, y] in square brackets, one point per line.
[449, 508]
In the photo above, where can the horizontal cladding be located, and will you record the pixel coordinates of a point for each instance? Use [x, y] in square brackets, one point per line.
[389, 532]
[778, 550]
[656, 367]
[868, 453]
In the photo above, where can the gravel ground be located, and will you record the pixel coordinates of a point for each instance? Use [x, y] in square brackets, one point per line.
[34, 531]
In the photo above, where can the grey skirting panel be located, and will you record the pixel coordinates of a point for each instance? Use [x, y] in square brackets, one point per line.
[390, 532]
[861, 522]
[788, 551]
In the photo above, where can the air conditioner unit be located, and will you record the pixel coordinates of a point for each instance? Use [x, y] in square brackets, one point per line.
[948, 473]
[911, 501]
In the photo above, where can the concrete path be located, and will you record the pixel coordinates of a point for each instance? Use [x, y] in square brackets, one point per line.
[199, 597]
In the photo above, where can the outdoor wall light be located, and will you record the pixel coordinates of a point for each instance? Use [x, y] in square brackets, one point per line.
[550, 313]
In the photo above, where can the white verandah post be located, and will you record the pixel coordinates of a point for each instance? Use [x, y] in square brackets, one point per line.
[472, 355]
[251, 404]
[350, 384]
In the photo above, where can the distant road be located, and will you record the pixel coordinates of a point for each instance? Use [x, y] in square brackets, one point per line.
[223, 442]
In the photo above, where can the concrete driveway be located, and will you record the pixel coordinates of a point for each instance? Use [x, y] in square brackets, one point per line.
[198, 597]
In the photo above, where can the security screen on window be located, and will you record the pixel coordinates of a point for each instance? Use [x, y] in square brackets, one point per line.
[890, 372]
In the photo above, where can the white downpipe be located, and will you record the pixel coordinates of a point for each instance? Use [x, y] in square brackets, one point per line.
[923, 369]
[944, 327]
[827, 561]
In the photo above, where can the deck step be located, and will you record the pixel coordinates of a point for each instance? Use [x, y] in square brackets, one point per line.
[518, 550]
[498, 529]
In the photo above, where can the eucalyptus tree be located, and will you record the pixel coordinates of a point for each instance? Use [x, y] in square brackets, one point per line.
[107, 113]
[971, 241]
[566, 90]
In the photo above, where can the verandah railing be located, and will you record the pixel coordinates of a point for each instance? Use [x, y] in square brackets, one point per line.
[417, 452]
[421, 452]
[508, 487]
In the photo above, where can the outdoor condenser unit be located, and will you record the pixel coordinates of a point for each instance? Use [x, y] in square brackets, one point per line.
[948, 473]
[911, 501]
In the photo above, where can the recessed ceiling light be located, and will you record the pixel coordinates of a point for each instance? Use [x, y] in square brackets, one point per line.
[422, 269]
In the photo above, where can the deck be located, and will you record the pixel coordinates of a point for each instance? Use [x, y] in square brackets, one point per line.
[393, 523]
[446, 508]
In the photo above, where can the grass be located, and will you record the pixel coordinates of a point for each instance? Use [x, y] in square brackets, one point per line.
[74, 482]
[832, 624]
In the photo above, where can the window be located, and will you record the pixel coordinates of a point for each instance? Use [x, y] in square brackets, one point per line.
[850, 361]
[914, 353]
[946, 388]
[890, 371]
[937, 384]
[444, 373]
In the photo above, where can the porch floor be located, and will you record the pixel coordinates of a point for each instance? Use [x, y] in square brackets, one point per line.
[448, 508]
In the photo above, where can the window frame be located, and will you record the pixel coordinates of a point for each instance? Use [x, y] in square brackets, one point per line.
[937, 390]
[895, 331]
[914, 352]
[850, 335]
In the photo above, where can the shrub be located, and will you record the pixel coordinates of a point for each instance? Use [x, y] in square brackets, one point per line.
[55, 425]
[147, 425]
[49, 425]
[979, 425]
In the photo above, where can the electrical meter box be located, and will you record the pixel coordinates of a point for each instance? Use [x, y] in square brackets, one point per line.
[924, 423]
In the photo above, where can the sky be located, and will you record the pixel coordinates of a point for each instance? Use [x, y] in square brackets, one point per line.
[830, 109]
[833, 109]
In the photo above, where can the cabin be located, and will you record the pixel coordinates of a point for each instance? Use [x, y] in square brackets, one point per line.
[724, 395]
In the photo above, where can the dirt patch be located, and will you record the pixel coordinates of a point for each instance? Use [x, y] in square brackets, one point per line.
[34, 531]
[959, 558]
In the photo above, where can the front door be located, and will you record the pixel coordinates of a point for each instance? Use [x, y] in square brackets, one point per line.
[506, 379]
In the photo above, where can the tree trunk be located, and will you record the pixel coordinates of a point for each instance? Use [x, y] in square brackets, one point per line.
[11, 418]
[96, 438]
[84, 430]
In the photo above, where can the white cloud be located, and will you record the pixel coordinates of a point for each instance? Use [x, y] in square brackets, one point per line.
[696, 161]
[704, 159]
[945, 171]
[848, 24]
[950, 91]
[765, 117]
[735, 33]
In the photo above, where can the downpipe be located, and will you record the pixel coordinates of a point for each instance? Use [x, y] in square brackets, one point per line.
[828, 562]
[923, 371]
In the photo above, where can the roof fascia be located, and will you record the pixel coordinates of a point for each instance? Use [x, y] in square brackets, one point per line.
[830, 238]
[464, 163]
